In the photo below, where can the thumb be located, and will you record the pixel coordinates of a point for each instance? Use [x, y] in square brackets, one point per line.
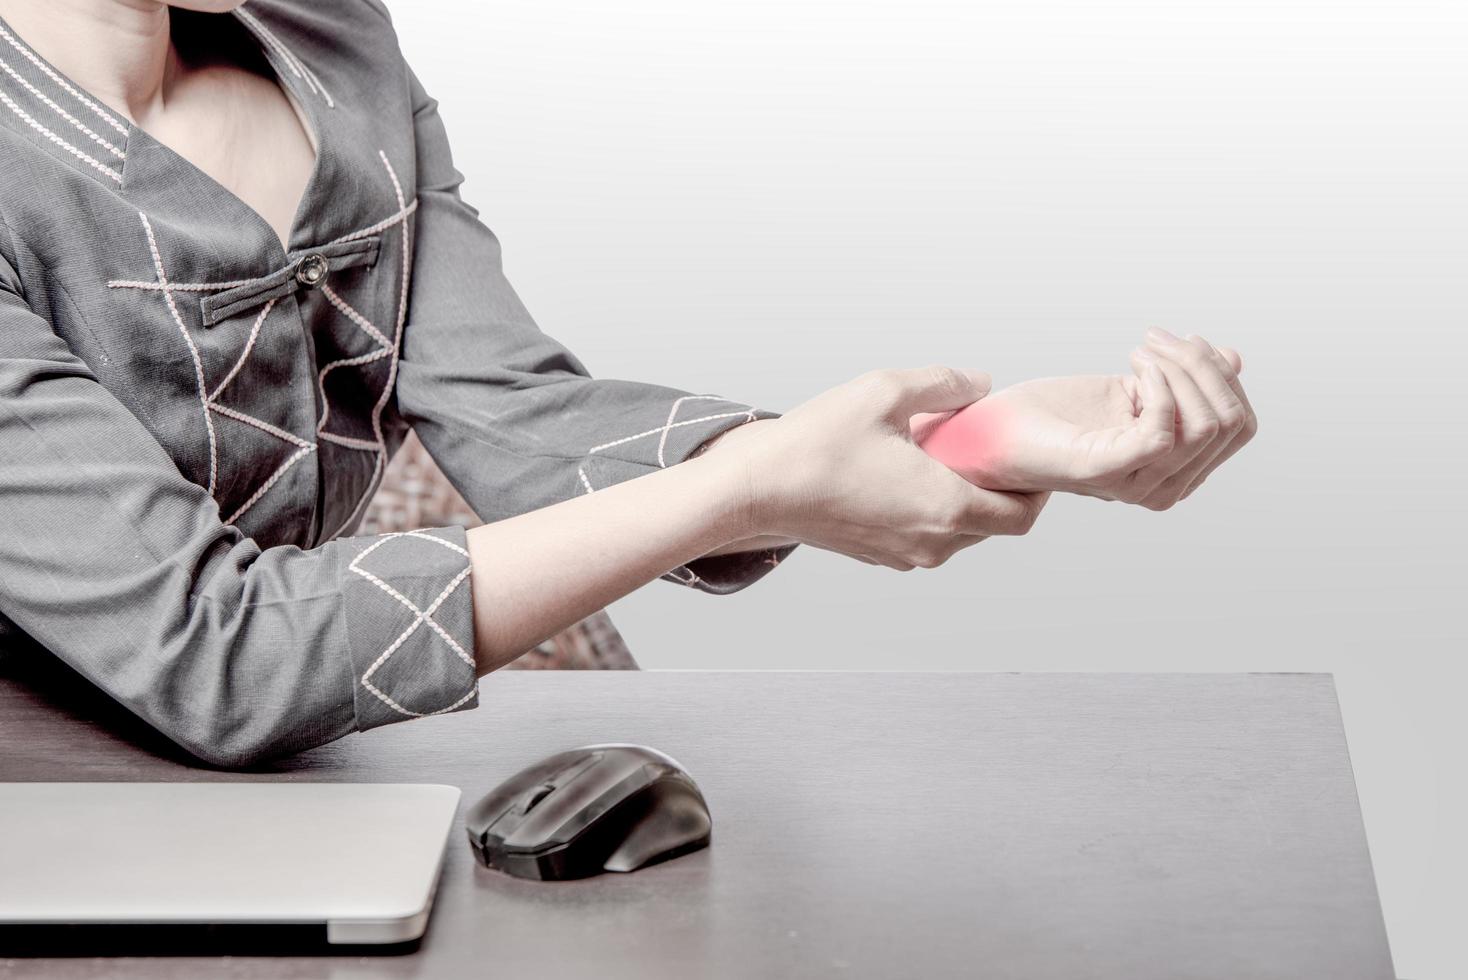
[935, 388]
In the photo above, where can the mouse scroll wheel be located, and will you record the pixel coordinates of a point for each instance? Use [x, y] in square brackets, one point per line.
[536, 795]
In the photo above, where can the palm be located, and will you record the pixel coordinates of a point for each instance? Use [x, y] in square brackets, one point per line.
[1038, 434]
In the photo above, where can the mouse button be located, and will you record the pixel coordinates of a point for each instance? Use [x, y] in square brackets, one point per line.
[535, 827]
[528, 796]
[535, 795]
[564, 814]
[492, 806]
[508, 800]
[517, 807]
[578, 805]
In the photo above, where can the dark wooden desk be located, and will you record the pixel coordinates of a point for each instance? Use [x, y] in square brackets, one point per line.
[1187, 827]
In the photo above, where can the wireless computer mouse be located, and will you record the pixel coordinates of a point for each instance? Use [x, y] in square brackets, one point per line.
[598, 808]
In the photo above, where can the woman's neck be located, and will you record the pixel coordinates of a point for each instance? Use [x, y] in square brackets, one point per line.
[118, 50]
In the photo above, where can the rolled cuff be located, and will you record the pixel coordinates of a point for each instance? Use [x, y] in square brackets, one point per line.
[692, 421]
[723, 574]
[409, 614]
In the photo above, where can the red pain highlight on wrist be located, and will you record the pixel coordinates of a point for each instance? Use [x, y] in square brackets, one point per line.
[969, 441]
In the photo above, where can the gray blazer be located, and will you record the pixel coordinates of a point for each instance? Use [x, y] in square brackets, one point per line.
[193, 417]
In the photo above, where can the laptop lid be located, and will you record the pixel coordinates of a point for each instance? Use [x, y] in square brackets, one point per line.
[361, 859]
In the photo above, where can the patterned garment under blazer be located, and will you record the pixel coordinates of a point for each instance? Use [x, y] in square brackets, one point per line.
[195, 413]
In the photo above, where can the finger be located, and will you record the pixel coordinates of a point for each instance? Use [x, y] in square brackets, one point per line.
[1157, 422]
[962, 541]
[1233, 447]
[1234, 358]
[1151, 438]
[1238, 428]
[1247, 432]
[921, 425]
[904, 392]
[1229, 364]
[1210, 372]
[1195, 425]
[958, 542]
[1215, 378]
[991, 512]
[949, 547]
[879, 554]
[1230, 356]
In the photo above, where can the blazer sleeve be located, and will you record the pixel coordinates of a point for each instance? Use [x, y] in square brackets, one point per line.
[123, 568]
[512, 416]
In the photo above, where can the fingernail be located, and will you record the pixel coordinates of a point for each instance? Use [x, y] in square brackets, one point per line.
[1145, 355]
[1161, 336]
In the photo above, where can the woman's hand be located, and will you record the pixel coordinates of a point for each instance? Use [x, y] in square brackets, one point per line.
[841, 472]
[1150, 439]
[1214, 417]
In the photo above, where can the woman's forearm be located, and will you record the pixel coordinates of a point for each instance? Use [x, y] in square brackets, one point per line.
[829, 473]
[538, 573]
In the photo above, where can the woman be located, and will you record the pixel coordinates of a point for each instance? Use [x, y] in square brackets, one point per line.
[237, 269]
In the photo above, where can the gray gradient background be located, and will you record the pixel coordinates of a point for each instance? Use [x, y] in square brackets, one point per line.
[764, 199]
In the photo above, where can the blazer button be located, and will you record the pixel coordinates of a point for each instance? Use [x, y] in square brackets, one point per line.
[311, 270]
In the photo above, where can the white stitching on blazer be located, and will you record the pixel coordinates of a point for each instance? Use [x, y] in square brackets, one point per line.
[662, 433]
[35, 59]
[380, 463]
[249, 346]
[86, 158]
[421, 616]
[60, 111]
[387, 348]
[193, 351]
[296, 65]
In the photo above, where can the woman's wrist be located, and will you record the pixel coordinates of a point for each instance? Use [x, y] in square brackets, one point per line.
[972, 442]
[752, 539]
[732, 451]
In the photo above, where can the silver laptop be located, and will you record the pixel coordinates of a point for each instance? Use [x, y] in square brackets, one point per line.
[362, 860]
